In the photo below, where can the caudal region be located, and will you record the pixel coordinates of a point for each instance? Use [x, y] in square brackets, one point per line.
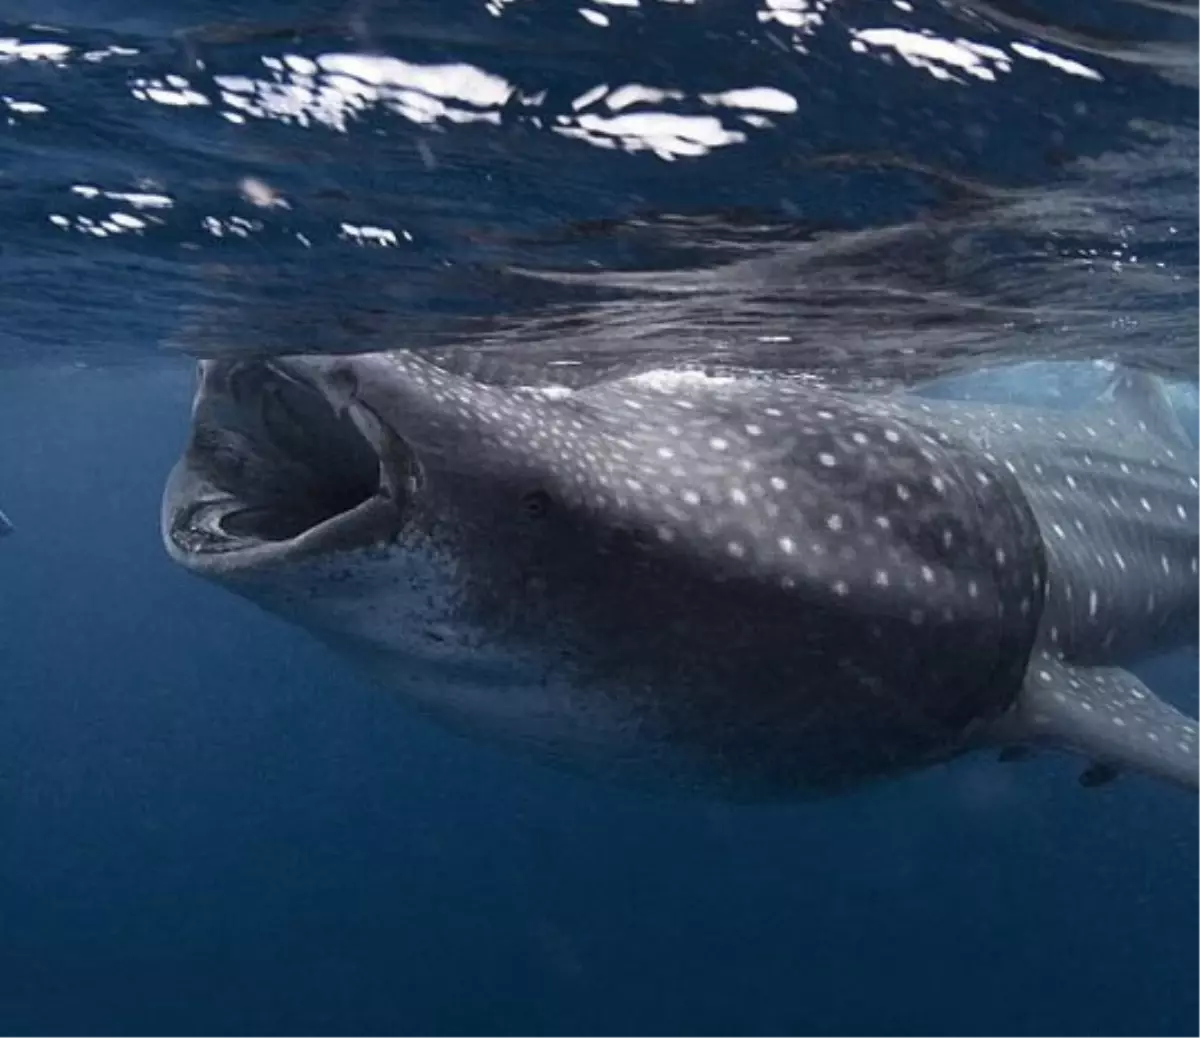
[748, 585]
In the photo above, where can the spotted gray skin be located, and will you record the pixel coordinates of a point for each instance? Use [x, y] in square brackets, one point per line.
[749, 585]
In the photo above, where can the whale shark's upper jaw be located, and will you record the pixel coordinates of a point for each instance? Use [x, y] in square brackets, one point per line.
[278, 466]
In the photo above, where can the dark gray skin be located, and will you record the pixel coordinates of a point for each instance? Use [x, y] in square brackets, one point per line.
[752, 586]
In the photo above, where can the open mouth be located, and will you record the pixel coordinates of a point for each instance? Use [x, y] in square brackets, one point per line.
[280, 464]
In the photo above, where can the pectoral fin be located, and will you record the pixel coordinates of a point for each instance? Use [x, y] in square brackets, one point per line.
[1107, 715]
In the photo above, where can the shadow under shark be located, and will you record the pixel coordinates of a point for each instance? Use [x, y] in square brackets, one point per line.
[746, 584]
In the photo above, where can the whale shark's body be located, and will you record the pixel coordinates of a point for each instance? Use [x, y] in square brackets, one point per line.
[749, 584]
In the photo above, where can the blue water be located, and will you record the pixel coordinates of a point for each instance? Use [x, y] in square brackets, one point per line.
[210, 826]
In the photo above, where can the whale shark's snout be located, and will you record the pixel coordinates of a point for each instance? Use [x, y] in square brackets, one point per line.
[279, 466]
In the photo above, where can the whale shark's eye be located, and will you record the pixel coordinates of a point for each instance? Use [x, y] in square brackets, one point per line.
[536, 504]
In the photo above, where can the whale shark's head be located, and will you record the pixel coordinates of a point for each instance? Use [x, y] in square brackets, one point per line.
[768, 587]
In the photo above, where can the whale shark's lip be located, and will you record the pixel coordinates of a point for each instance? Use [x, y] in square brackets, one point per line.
[282, 463]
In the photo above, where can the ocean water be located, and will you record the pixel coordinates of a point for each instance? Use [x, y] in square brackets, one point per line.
[209, 825]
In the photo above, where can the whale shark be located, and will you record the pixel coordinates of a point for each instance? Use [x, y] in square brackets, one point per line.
[744, 583]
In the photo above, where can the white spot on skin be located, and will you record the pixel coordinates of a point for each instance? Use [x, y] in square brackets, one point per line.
[778, 483]
[881, 577]
[834, 522]
[972, 589]
[927, 574]
[736, 549]
[1093, 604]
[891, 436]
[690, 497]
[902, 492]
[827, 459]
[787, 545]
[841, 588]
[738, 496]
[718, 443]
[1146, 505]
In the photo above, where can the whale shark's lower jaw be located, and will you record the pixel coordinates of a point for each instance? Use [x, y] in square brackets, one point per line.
[278, 467]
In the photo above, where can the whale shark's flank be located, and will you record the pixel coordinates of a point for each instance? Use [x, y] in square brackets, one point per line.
[748, 584]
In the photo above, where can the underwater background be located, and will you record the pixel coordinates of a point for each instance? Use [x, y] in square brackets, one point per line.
[209, 825]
